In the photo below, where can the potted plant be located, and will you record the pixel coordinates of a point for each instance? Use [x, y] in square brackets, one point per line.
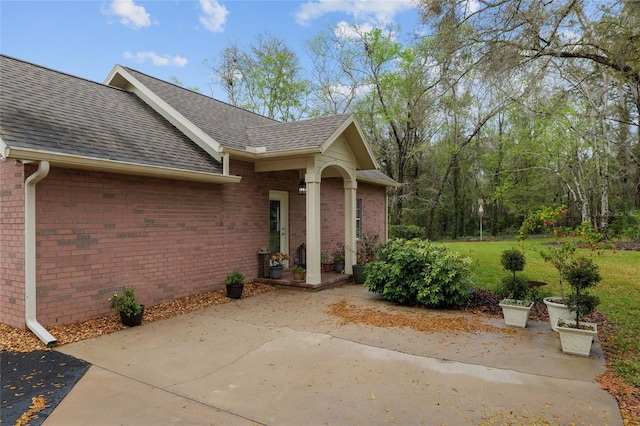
[127, 306]
[576, 335]
[516, 306]
[299, 273]
[338, 258]
[234, 282]
[277, 265]
[547, 219]
[365, 252]
[327, 263]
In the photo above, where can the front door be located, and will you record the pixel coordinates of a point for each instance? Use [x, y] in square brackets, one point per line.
[279, 222]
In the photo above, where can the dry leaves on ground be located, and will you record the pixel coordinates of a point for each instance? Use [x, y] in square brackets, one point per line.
[423, 321]
[14, 340]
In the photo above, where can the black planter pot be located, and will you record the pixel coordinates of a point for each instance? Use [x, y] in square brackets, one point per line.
[359, 276]
[132, 320]
[338, 266]
[234, 291]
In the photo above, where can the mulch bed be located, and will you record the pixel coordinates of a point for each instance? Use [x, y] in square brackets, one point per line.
[34, 383]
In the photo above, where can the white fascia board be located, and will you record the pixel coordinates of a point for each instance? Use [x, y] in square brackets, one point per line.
[119, 167]
[203, 140]
[255, 156]
[379, 182]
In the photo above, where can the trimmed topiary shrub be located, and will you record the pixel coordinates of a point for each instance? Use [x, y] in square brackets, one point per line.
[513, 287]
[406, 232]
[419, 272]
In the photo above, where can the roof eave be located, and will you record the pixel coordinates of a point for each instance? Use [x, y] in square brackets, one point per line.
[254, 156]
[112, 166]
[380, 182]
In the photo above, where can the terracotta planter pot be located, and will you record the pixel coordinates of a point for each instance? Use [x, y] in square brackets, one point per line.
[327, 266]
[299, 276]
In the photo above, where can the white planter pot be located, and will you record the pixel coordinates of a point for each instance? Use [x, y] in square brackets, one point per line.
[576, 341]
[557, 311]
[515, 315]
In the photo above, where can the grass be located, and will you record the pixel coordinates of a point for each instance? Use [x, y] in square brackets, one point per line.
[619, 290]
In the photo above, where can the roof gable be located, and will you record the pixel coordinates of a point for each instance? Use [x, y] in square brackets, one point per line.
[239, 131]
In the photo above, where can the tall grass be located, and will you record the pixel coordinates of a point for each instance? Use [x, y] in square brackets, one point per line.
[619, 290]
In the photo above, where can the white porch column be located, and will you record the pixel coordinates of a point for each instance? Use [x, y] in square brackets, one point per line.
[313, 228]
[350, 188]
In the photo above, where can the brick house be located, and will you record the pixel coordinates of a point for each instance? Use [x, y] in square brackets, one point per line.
[138, 182]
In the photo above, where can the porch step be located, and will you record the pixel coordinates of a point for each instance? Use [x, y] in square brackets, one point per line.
[329, 280]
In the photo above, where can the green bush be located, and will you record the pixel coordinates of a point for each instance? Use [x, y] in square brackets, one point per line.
[582, 274]
[419, 272]
[513, 260]
[406, 232]
[514, 287]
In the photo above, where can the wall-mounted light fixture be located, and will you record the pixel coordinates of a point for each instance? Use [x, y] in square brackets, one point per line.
[302, 188]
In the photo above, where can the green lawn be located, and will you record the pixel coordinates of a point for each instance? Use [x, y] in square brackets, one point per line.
[619, 290]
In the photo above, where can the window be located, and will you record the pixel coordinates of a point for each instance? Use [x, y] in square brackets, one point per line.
[358, 217]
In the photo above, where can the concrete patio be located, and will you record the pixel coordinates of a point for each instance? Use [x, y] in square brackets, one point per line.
[279, 358]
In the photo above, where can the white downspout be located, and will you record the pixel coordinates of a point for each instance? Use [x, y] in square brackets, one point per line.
[30, 254]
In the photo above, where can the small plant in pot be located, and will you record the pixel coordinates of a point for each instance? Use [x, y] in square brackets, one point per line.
[299, 273]
[338, 258]
[576, 335]
[327, 262]
[234, 282]
[277, 265]
[127, 306]
[366, 250]
[516, 306]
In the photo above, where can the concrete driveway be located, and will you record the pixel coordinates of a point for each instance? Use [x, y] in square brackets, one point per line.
[279, 358]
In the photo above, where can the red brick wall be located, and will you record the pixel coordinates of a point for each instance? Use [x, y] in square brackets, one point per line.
[373, 210]
[97, 232]
[12, 243]
[332, 211]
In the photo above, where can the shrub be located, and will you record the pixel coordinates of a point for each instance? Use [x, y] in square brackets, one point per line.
[581, 274]
[234, 278]
[126, 302]
[514, 287]
[419, 272]
[406, 232]
[513, 260]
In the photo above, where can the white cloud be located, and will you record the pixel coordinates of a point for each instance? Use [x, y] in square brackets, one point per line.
[130, 14]
[214, 15]
[355, 31]
[156, 59]
[364, 10]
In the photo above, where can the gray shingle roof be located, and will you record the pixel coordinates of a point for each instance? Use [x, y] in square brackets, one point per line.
[237, 128]
[51, 111]
[223, 122]
[296, 135]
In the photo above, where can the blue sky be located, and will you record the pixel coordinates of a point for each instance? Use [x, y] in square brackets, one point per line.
[171, 38]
